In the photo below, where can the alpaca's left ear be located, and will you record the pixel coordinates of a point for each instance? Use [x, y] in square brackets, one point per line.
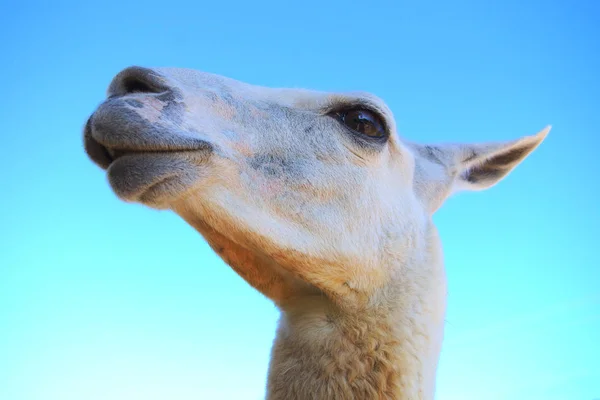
[446, 169]
[482, 166]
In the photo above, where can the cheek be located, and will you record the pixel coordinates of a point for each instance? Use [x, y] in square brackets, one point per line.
[274, 193]
[273, 189]
[270, 175]
[289, 196]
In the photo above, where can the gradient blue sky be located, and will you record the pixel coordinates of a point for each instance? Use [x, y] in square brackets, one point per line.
[105, 300]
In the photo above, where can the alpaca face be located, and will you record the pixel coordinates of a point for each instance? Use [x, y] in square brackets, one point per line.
[299, 191]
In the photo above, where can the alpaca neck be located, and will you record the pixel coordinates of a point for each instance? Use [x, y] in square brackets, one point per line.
[322, 353]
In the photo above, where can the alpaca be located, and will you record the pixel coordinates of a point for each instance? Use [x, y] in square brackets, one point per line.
[317, 203]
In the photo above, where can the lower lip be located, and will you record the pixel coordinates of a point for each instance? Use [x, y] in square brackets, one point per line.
[155, 185]
[159, 189]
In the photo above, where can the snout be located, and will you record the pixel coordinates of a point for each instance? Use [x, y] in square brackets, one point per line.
[142, 113]
[138, 135]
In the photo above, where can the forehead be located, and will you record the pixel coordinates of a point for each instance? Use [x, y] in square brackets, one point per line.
[311, 100]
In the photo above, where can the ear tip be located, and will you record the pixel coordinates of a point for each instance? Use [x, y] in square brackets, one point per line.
[544, 132]
[541, 135]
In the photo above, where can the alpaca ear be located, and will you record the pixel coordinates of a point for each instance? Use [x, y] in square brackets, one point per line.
[445, 169]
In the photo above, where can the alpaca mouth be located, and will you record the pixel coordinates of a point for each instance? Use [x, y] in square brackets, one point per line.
[104, 155]
[115, 131]
[151, 163]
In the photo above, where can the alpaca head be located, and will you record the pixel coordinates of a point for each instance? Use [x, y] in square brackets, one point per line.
[301, 192]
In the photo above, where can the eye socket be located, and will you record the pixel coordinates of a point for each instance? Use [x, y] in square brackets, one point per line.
[363, 121]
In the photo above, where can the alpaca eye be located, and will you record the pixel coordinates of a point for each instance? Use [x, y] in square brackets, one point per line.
[364, 122]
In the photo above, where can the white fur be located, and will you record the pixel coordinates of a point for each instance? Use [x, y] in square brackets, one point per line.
[338, 234]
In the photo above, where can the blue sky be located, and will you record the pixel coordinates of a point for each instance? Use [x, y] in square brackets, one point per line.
[105, 300]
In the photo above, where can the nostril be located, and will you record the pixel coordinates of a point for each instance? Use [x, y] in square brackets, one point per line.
[136, 80]
[135, 85]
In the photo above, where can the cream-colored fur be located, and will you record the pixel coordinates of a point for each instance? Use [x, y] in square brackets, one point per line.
[333, 227]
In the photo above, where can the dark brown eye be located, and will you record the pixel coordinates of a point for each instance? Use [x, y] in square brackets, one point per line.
[364, 122]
